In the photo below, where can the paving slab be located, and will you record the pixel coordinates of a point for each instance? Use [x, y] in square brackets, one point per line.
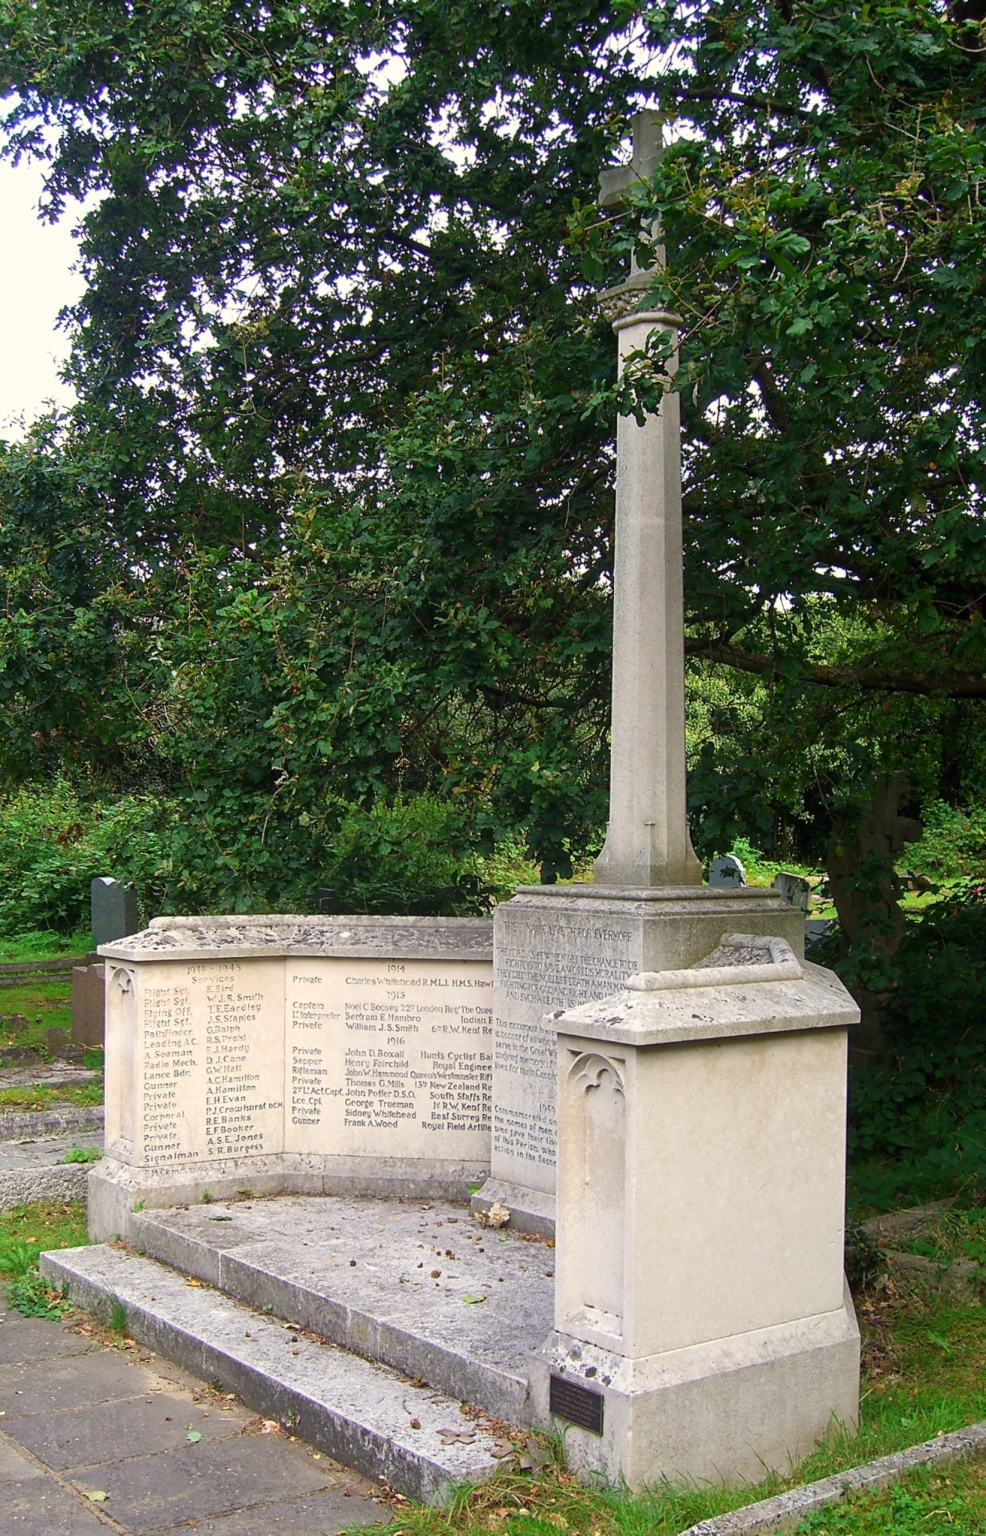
[147, 1492]
[417, 1284]
[326, 1512]
[30, 1339]
[36, 1507]
[129, 1426]
[85, 1417]
[362, 1413]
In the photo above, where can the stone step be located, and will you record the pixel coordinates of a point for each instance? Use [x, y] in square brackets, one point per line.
[362, 1414]
[34, 1168]
[418, 1285]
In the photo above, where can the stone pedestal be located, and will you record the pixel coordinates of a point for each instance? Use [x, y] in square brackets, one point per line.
[702, 1325]
[335, 1055]
[560, 946]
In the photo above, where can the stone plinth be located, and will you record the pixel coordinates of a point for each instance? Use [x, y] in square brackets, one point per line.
[342, 1055]
[560, 946]
[702, 1325]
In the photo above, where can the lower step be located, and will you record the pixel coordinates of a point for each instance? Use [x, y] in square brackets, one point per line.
[358, 1412]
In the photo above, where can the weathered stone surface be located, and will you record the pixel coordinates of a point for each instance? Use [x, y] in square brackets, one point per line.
[893, 1227]
[316, 1054]
[89, 1005]
[359, 1412]
[727, 871]
[557, 947]
[113, 910]
[956, 1283]
[388, 1279]
[729, 1078]
[28, 1125]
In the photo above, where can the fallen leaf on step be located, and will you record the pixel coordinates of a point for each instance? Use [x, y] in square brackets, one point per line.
[194, 1436]
[97, 1495]
[472, 1300]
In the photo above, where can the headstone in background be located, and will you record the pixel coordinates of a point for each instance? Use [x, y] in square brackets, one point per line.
[114, 910]
[794, 888]
[727, 871]
[89, 1006]
[818, 928]
[324, 900]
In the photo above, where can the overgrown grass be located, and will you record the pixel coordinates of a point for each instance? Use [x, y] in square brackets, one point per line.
[33, 1005]
[927, 1502]
[41, 1096]
[924, 1372]
[45, 945]
[27, 1231]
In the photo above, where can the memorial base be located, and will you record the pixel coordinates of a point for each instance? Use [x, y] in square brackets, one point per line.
[722, 1412]
[118, 1191]
[557, 947]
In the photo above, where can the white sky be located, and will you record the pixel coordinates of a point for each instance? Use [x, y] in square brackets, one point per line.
[36, 281]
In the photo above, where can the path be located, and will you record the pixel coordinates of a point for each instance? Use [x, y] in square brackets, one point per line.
[79, 1416]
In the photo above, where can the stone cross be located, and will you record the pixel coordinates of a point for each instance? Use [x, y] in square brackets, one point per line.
[647, 840]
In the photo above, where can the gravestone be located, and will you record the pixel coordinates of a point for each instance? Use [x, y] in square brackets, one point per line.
[562, 945]
[336, 1055]
[727, 871]
[113, 910]
[89, 1005]
[795, 889]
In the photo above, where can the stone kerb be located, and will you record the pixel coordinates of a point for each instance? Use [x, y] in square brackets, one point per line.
[342, 1055]
[702, 1324]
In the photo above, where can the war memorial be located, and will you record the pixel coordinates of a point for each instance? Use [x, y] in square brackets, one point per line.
[638, 1082]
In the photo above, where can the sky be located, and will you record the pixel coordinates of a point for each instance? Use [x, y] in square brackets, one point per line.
[36, 281]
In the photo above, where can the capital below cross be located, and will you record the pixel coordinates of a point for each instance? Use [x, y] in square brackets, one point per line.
[647, 840]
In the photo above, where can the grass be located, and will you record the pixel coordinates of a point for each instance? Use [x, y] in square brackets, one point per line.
[924, 1371]
[27, 1009]
[25, 1232]
[40, 1096]
[42, 1004]
[45, 945]
[28, 1230]
[928, 1502]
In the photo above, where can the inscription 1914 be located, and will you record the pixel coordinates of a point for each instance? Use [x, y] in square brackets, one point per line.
[394, 1051]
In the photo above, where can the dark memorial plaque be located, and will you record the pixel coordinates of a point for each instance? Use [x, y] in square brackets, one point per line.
[570, 1400]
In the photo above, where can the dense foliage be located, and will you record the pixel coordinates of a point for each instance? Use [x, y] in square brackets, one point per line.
[918, 1121]
[331, 520]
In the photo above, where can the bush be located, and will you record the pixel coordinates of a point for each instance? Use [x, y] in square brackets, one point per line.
[53, 841]
[953, 846]
[918, 1121]
[407, 856]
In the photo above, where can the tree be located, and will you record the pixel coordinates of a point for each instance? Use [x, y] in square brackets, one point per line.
[340, 364]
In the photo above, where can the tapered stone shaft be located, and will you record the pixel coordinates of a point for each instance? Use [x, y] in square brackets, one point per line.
[647, 842]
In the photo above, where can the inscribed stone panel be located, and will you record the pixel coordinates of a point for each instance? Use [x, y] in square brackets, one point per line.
[211, 1052]
[389, 1058]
